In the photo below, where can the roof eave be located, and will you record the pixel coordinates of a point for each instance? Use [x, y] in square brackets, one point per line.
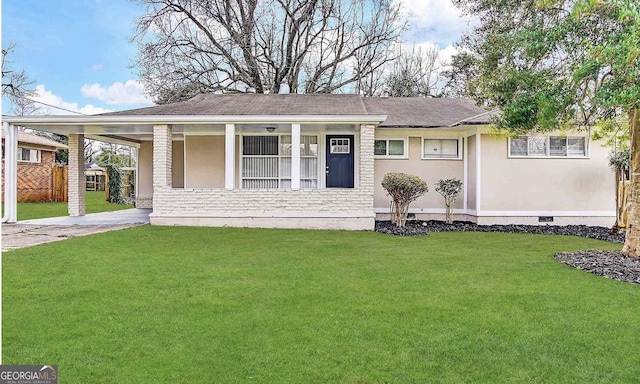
[65, 120]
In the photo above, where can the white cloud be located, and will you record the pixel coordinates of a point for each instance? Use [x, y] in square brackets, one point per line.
[436, 21]
[129, 93]
[55, 105]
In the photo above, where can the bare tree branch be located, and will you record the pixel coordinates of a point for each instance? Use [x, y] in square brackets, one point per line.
[188, 46]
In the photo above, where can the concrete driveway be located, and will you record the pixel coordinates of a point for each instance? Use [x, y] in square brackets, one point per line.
[33, 232]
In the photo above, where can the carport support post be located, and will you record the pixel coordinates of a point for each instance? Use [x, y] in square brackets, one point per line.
[77, 179]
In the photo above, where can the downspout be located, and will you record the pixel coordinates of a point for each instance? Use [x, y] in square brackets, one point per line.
[10, 173]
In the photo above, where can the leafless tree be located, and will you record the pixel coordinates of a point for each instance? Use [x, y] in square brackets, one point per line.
[414, 73]
[16, 85]
[193, 46]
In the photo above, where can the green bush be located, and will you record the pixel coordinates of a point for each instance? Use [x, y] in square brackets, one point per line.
[403, 189]
[449, 189]
[115, 184]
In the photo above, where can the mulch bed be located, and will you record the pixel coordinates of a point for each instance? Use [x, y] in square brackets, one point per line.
[612, 264]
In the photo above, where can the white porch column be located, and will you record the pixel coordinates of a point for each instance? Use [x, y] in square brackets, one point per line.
[229, 156]
[162, 142]
[478, 171]
[77, 180]
[295, 157]
[465, 172]
[10, 173]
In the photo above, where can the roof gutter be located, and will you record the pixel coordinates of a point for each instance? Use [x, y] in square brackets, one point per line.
[471, 118]
[66, 120]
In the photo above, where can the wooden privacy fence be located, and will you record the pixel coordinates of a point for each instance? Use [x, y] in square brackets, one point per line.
[60, 183]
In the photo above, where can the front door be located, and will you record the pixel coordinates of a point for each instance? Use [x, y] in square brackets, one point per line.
[340, 161]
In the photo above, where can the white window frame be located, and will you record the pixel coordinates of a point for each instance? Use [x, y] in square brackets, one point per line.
[281, 178]
[548, 154]
[36, 161]
[422, 145]
[405, 148]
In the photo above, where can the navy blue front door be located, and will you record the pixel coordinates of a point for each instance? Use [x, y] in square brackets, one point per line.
[340, 161]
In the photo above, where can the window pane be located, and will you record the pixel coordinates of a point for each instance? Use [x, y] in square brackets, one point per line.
[285, 168]
[449, 148]
[380, 147]
[308, 168]
[259, 184]
[557, 146]
[396, 147]
[537, 146]
[518, 146]
[309, 184]
[285, 145]
[576, 146]
[309, 145]
[260, 145]
[259, 167]
[432, 148]
[340, 146]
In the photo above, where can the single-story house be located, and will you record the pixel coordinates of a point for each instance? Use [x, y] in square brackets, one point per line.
[36, 157]
[230, 160]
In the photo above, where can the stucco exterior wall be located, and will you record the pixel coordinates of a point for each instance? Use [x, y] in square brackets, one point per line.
[204, 161]
[145, 175]
[177, 161]
[470, 152]
[545, 184]
[429, 170]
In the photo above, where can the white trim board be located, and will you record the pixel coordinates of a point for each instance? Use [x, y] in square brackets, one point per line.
[506, 213]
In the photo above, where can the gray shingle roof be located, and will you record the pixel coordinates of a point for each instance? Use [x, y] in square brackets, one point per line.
[28, 138]
[410, 112]
[401, 112]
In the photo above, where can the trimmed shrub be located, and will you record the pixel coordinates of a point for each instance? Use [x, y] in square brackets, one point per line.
[403, 189]
[449, 189]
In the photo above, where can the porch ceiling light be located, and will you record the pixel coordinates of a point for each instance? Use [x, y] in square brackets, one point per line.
[271, 129]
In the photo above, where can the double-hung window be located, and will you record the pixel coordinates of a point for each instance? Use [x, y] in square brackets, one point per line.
[393, 148]
[266, 162]
[28, 155]
[547, 146]
[440, 149]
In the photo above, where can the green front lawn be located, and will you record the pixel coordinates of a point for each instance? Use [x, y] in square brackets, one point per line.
[219, 305]
[94, 203]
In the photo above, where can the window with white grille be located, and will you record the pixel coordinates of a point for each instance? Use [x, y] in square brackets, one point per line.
[266, 162]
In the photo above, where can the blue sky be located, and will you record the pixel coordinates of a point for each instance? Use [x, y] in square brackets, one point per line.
[77, 51]
[79, 55]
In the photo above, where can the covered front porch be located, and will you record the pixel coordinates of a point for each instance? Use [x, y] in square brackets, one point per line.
[236, 170]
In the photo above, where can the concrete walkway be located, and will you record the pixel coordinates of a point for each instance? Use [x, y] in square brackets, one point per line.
[33, 232]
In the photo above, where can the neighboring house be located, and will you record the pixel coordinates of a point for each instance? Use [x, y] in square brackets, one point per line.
[36, 158]
[96, 177]
[228, 160]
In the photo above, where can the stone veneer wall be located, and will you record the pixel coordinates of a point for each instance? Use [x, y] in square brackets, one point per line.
[323, 208]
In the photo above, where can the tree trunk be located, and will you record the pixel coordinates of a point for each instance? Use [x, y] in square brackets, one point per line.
[632, 243]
